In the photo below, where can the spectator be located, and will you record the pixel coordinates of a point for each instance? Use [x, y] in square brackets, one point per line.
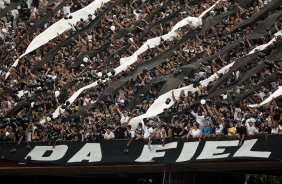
[242, 132]
[139, 132]
[124, 118]
[195, 132]
[252, 130]
[206, 130]
[149, 131]
[231, 129]
[109, 135]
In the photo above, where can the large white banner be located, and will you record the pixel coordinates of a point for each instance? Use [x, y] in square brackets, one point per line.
[159, 105]
[274, 95]
[60, 27]
[151, 43]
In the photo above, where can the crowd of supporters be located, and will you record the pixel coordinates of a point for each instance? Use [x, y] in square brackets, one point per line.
[32, 93]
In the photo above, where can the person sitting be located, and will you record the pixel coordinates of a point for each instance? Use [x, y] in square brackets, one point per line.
[109, 135]
[206, 130]
[195, 132]
[252, 130]
[231, 129]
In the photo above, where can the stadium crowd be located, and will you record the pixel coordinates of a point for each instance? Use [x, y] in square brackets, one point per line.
[126, 27]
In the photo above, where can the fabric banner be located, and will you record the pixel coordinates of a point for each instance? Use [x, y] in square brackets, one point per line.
[158, 106]
[60, 27]
[54, 51]
[276, 94]
[43, 20]
[263, 148]
[90, 54]
[275, 56]
[145, 90]
[48, 57]
[166, 54]
[153, 62]
[156, 24]
[194, 63]
[268, 24]
[258, 33]
[14, 4]
[174, 82]
[134, 29]
[151, 43]
[269, 7]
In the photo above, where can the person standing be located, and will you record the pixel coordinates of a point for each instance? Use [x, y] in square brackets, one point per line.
[241, 132]
[42, 7]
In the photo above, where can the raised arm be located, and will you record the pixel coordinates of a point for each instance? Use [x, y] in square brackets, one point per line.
[173, 97]
[118, 110]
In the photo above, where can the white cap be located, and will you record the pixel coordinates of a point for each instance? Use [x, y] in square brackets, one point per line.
[113, 28]
[57, 93]
[85, 59]
[4, 30]
[203, 101]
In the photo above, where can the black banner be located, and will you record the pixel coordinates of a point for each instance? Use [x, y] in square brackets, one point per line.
[263, 148]
[269, 7]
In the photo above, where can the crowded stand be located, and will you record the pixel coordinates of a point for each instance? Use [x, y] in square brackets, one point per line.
[140, 69]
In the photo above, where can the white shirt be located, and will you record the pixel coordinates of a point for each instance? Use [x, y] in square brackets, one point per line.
[124, 119]
[148, 132]
[262, 95]
[196, 133]
[250, 120]
[252, 130]
[2, 5]
[132, 133]
[276, 130]
[8, 24]
[237, 110]
[86, 101]
[29, 2]
[121, 94]
[136, 14]
[15, 13]
[66, 10]
[199, 119]
[219, 129]
[238, 75]
[109, 136]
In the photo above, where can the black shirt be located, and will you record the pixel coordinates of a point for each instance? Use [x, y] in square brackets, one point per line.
[20, 134]
[177, 131]
[266, 129]
[120, 133]
[241, 130]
